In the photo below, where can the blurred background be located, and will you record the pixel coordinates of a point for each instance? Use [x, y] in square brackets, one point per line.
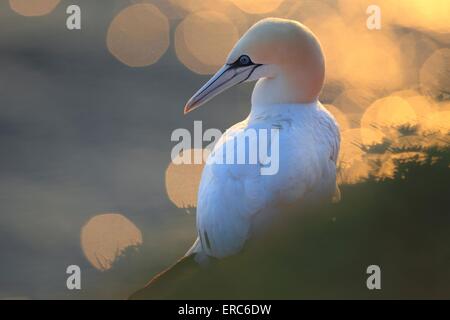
[86, 118]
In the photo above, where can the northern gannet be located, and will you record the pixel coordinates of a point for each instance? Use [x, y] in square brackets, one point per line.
[287, 61]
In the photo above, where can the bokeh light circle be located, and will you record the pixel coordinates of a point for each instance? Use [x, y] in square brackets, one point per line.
[389, 113]
[257, 7]
[435, 75]
[183, 180]
[139, 35]
[438, 122]
[105, 236]
[203, 40]
[31, 8]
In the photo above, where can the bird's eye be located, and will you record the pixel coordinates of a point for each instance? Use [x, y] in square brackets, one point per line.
[244, 60]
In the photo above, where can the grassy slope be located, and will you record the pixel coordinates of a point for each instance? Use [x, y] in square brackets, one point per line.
[401, 224]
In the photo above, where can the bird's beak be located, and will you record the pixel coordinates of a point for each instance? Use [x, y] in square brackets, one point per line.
[224, 79]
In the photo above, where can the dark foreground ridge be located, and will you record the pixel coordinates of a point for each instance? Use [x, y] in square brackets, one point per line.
[400, 224]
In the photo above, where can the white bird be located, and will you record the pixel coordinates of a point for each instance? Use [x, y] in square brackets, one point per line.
[235, 200]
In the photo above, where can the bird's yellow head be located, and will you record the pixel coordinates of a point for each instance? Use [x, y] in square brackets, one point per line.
[284, 54]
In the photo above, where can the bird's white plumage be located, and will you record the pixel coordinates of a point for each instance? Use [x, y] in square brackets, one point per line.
[233, 199]
[236, 201]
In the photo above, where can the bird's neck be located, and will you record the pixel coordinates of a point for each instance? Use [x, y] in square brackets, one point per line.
[290, 85]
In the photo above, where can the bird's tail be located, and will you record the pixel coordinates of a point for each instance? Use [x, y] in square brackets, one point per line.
[165, 283]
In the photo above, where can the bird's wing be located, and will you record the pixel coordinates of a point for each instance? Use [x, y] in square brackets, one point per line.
[234, 198]
[229, 196]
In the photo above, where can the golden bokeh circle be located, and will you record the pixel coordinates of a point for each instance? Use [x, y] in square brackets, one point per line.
[196, 5]
[183, 179]
[257, 7]
[388, 113]
[438, 122]
[435, 74]
[422, 105]
[203, 40]
[105, 236]
[370, 137]
[32, 8]
[239, 18]
[139, 35]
